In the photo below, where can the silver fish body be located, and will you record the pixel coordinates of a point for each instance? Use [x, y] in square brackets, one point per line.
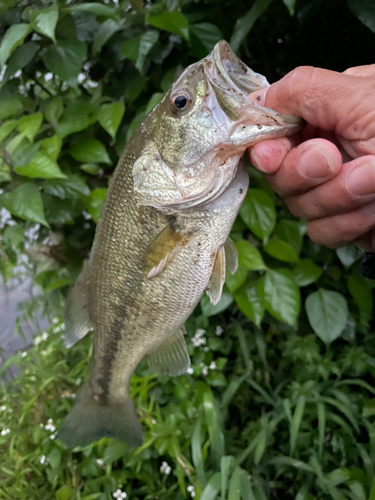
[163, 237]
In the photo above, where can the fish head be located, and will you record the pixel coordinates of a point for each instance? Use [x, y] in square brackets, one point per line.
[199, 131]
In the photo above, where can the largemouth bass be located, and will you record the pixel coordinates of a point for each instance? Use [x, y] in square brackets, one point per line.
[163, 237]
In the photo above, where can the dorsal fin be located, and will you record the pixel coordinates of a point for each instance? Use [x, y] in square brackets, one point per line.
[163, 249]
[216, 284]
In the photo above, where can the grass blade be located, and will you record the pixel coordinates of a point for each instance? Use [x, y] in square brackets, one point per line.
[235, 485]
[321, 426]
[196, 451]
[226, 466]
[296, 422]
[212, 488]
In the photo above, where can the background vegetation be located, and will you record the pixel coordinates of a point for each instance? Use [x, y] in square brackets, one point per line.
[280, 401]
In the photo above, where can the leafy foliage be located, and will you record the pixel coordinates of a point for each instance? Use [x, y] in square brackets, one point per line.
[280, 404]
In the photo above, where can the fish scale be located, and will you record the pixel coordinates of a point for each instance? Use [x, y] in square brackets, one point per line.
[163, 237]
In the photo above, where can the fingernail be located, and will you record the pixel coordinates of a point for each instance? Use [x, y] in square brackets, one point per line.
[361, 180]
[369, 209]
[259, 97]
[316, 163]
[255, 160]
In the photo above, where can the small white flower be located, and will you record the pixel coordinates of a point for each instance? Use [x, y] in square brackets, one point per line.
[50, 421]
[213, 365]
[43, 353]
[191, 491]
[190, 370]
[81, 77]
[24, 354]
[17, 74]
[198, 338]
[50, 427]
[219, 331]
[37, 340]
[38, 74]
[3, 408]
[119, 495]
[33, 378]
[99, 462]
[35, 37]
[48, 77]
[165, 468]
[205, 348]
[205, 371]
[45, 336]
[43, 460]
[53, 436]
[55, 320]
[78, 381]
[4, 432]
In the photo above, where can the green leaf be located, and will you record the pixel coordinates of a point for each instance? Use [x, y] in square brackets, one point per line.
[212, 488]
[226, 466]
[290, 5]
[20, 58]
[65, 59]
[4, 175]
[61, 212]
[41, 166]
[203, 37]
[14, 37]
[296, 422]
[321, 426]
[63, 493]
[6, 128]
[209, 309]
[25, 153]
[9, 107]
[280, 295]
[110, 116]
[77, 116]
[234, 281]
[281, 250]
[73, 187]
[249, 257]
[364, 10]
[90, 168]
[327, 312]
[106, 30]
[95, 7]
[291, 232]
[348, 255]
[361, 293]
[213, 426]
[234, 491]
[146, 42]
[134, 88]
[258, 212]
[247, 492]
[89, 150]
[52, 146]
[94, 202]
[25, 202]
[54, 110]
[306, 272]
[196, 451]
[30, 124]
[154, 100]
[130, 48]
[250, 304]
[246, 22]
[174, 22]
[44, 21]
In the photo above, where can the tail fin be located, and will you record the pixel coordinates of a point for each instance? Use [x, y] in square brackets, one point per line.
[89, 421]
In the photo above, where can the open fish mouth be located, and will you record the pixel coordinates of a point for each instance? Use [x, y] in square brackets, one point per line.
[232, 81]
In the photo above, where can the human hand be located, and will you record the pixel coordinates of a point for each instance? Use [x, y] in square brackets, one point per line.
[326, 173]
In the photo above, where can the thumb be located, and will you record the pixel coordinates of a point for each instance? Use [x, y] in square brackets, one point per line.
[321, 97]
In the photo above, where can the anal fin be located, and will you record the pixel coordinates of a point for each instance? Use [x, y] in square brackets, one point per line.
[162, 250]
[171, 357]
[216, 284]
[76, 316]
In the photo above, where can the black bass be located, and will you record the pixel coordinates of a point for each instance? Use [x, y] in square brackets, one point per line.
[163, 237]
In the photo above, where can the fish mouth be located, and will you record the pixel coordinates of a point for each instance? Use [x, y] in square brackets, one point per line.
[232, 81]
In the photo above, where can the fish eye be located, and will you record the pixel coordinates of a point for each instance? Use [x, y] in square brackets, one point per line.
[180, 101]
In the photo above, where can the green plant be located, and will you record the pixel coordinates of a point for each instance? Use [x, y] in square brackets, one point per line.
[280, 402]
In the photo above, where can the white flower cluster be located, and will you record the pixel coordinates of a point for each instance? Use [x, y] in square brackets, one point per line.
[191, 490]
[3, 408]
[190, 370]
[219, 331]
[41, 338]
[199, 338]
[165, 468]
[99, 462]
[50, 427]
[43, 460]
[4, 432]
[212, 366]
[119, 494]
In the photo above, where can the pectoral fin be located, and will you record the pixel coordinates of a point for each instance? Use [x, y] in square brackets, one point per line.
[76, 317]
[231, 256]
[171, 358]
[216, 284]
[162, 250]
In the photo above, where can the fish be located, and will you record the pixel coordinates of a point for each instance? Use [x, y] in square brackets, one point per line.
[162, 239]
